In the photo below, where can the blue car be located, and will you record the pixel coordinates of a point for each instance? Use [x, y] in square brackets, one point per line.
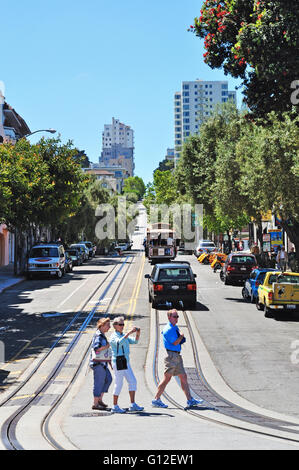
[249, 291]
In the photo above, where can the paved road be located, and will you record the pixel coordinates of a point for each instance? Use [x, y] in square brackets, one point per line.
[251, 353]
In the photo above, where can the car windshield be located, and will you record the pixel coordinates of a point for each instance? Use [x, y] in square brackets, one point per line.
[272, 278]
[212, 245]
[88, 244]
[72, 252]
[175, 274]
[288, 278]
[44, 252]
[242, 259]
[261, 277]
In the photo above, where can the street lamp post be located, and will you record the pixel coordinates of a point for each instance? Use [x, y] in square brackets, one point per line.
[52, 131]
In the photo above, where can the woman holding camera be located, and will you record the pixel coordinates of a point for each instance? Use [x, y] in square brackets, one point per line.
[120, 345]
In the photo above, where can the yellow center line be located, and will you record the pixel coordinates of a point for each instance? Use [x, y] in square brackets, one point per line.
[133, 300]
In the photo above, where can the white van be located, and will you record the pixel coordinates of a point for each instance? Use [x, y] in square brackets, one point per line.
[46, 258]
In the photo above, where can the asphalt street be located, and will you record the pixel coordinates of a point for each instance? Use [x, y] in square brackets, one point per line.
[244, 355]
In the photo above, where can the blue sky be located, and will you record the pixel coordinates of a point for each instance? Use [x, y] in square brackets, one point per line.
[73, 65]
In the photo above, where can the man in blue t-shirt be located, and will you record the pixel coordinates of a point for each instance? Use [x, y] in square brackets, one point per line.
[173, 339]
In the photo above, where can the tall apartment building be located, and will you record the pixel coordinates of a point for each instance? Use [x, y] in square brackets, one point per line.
[118, 146]
[193, 104]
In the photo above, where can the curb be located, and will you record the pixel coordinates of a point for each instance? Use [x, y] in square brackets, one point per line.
[13, 283]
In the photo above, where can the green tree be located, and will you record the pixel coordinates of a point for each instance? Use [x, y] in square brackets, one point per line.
[67, 181]
[134, 184]
[165, 165]
[201, 171]
[81, 223]
[256, 41]
[39, 185]
[268, 158]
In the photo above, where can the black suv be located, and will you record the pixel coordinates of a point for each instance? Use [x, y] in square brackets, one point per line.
[172, 282]
[237, 268]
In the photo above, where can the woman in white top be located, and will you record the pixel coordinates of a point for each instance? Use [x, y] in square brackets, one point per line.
[120, 346]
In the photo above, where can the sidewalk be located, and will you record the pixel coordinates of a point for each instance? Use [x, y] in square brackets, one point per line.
[7, 277]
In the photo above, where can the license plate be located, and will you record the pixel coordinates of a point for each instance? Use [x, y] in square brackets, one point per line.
[52, 272]
[243, 269]
[175, 287]
[291, 306]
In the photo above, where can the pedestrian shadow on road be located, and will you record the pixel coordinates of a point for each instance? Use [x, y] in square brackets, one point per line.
[198, 307]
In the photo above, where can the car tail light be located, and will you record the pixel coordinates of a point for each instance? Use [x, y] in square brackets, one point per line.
[231, 268]
[158, 287]
[191, 287]
[270, 295]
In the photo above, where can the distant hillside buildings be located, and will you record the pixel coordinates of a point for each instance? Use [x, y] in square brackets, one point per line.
[118, 146]
[116, 162]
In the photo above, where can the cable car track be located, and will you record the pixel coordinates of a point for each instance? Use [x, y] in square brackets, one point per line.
[224, 411]
[9, 427]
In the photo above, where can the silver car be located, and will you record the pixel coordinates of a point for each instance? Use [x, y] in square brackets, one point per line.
[204, 246]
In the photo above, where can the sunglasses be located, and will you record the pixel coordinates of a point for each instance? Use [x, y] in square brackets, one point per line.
[120, 324]
[175, 316]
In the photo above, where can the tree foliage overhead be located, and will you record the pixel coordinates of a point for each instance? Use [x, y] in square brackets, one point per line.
[39, 184]
[257, 41]
[134, 184]
[240, 170]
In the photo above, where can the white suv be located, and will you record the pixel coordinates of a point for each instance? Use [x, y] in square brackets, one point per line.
[46, 258]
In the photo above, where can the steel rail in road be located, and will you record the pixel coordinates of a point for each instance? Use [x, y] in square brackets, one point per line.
[8, 429]
[225, 411]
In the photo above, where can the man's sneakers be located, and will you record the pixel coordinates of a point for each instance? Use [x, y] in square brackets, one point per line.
[135, 407]
[159, 403]
[193, 402]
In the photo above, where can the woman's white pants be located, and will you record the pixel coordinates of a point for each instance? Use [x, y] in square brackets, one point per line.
[119, 376]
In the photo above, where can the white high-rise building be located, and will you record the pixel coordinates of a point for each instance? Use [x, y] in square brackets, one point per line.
[193, 104]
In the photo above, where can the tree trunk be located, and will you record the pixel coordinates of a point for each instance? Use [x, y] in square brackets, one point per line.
[291, 227]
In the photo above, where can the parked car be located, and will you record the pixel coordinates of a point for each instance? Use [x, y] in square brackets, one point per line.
[91, 248]
[76, 255]
[83, 248]
[204, 246]
[237, 267]
[46, 259]
[68, 267]
[172, 282]
[279, 291]
[256, 278]
[123, 246]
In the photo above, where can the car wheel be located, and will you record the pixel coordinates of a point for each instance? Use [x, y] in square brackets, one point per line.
[191, 303]
[149, 298]
[154, 303]
[226, 282]
[59, 274]
[268, 312]
[245, 293]
[258, 304]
